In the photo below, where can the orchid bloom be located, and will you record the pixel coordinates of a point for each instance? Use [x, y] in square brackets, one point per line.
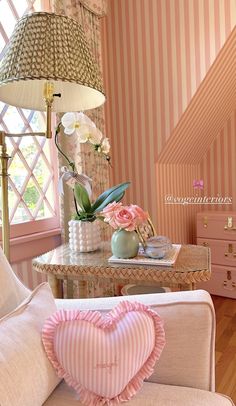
[86, 131]
[72, 122]
[89, 134]
[105, 146]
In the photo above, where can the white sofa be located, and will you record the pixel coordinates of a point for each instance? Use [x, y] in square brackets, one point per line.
[185, 373]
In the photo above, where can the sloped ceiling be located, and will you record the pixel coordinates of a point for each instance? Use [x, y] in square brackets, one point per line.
[207, 112]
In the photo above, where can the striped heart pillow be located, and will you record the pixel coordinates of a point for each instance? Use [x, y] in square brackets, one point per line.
[105, 358]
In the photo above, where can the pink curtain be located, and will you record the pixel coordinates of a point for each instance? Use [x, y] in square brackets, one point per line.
[70, 7]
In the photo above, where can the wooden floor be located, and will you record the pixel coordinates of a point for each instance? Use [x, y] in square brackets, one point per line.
[225, 345]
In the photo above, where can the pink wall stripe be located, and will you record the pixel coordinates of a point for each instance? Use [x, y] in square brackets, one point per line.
[177, 182]
[197, 40]
[157, 55]
[220, 170]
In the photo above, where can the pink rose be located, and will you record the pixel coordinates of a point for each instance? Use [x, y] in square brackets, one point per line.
[112, 223]
[140, 215]
[125, 218]
[110, 210]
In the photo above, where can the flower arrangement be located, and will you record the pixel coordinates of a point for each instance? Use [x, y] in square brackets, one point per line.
[128, 218]
[126, 221]
[87, 132]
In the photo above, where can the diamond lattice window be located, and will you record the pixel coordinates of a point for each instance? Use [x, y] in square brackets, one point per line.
[31, 182]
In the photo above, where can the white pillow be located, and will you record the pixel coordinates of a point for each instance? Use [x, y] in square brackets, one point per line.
[13, 292]
[27, 377]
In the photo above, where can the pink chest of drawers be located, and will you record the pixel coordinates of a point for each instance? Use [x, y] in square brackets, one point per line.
[217, 230]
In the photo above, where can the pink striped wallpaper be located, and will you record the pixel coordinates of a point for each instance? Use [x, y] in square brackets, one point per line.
[156, 53]
[203, 129]
[175, 182]
[218, 166]
[29, 278]
[207, 111]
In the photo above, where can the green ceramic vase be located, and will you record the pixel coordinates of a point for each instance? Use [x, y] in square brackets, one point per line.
[124, 244]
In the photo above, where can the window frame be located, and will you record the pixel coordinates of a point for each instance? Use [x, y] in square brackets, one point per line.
[46, 224]
[23, 231]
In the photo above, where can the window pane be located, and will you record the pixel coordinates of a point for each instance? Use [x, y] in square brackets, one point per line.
[21, 6]
[28, 149]
[13, 199]
[2, 43]
[37, 121]
[42, 173]
[44, 212]
[37, 191]
[31, 196]
[21, 215]
[18, 173]
[13, 120]
[7, 19]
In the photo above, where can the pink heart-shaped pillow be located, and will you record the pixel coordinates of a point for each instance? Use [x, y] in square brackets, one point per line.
[105, 358]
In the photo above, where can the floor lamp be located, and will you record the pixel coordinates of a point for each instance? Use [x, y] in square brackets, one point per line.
[47, 64]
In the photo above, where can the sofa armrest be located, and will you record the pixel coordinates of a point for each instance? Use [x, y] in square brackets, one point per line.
[189, 322]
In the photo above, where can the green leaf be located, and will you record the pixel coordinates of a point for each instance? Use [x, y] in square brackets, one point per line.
[82, 216]
[109, 193]
[115, 196]
[82, 198]
[119, 198]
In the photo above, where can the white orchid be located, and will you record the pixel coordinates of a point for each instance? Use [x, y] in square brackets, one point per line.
[96, 137]
[69, 122]
[89, 134]
[72, 122]
[105, 146]
[86, 131]
[83, 119]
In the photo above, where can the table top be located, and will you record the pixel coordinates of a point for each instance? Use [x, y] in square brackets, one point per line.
[192, 265]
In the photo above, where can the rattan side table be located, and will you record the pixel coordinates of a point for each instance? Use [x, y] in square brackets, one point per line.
[192, 265]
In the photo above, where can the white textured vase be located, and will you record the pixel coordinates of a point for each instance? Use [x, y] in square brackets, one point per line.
[84, 236]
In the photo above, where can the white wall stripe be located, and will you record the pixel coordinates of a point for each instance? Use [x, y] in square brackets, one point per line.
[222, 20]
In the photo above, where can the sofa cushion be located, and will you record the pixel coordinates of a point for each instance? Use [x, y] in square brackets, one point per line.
[13, 292]
[151, 394]
[27, 377]
[105, 358]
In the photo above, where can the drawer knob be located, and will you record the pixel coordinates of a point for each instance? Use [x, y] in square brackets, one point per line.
[230, 251]
[230, 288]
[205, 244]
[229, 226]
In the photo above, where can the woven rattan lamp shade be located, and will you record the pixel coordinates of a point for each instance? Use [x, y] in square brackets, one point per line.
[46, 46]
